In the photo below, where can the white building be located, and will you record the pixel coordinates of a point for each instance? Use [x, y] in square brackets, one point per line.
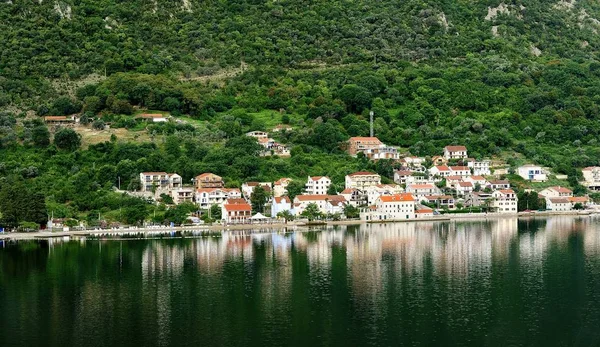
[455, 152]
[390, 207]
[236, 211]
[327, 204]
[258, 134]
[248, 188]
[463, 171]
[480, 168]
[558, 204]
[420, 191]
[556, 192]
[463, 188]
[361, 180]
[182, 195]
[374, 192]
[591, 177]
[440, 170]
[159, 181]
[504, 201]
[206, 197]
[317, 185]
[532, 172]
[281, 204]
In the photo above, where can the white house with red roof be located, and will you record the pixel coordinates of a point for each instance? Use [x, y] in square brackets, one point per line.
[281, 204]
[354, 196]
[558, 204]
[206, 197]
[556, 192]
[317, 185]
[390, 208]
[479, 167]
[327, 204]
[463, 171]
[422, 190]
[374, 192]
[236, 211]
[248, 188]
[440, 170]
[504, 201]
[361, 180]
[455, 152]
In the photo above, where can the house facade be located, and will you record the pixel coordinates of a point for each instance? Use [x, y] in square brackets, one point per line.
[504, 201]
[556, 192]
[361, 144]
[280, 186]
[455, 152]
[327, 204]
[236, 211]
[206, 197]
[281, 204]
[558, 204]
[591, 177]
[480, 168]
[420, 191]
[159, 181]
[182, 195]
[248, 188]
[361, 180]
[532, 172]
[208, 180]
[390, 208]
[317, 185]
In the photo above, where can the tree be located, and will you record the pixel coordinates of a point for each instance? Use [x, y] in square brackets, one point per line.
[294, 188]
[40, 136]
[67, 139]
[258, 199]
[215, 212]
[578, 206]
[312, 212]
[351, 211]
[287, 215]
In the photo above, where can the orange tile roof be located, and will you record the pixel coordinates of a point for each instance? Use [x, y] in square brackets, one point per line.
[442, 168]
[316, 178]
[421, 186]
[456, 148]
[207, 174]
[238, 207]
[396, 197]
[459, 168]
[559, 200]
[478, 178]
[506, 191]
[424, 210]
[561, 189]
[359, 138]
[236, 201]
[281, 199]
[47, 118]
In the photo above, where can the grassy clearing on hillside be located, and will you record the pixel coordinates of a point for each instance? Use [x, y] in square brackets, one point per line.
[91, 137]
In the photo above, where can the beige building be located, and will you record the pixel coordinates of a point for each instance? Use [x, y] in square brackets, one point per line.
[159, 181]
[504, 201]
[280, 187]
[361, 180]
[455, 152]
[208, 180]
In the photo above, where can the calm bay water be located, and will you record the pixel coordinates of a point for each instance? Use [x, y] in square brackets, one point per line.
[503, 282]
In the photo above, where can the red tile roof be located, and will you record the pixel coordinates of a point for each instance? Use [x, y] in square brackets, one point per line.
[281, 199]
[365, 139]
[459, 168]
[238, 207]
[396, 197]
[455, 148]
[561, 189]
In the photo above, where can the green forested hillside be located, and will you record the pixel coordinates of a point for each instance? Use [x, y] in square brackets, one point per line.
[500, 77]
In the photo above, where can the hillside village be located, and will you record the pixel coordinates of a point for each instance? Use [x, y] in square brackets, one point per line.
[422, 188]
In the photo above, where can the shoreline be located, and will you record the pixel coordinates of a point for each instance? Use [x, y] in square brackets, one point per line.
[272, 227]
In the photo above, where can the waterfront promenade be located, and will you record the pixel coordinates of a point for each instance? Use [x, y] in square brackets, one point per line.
[159, 231]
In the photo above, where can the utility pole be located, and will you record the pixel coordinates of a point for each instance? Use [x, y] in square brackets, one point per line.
[371, 122]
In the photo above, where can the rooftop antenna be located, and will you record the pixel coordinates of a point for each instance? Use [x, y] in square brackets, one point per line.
[371, 122]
